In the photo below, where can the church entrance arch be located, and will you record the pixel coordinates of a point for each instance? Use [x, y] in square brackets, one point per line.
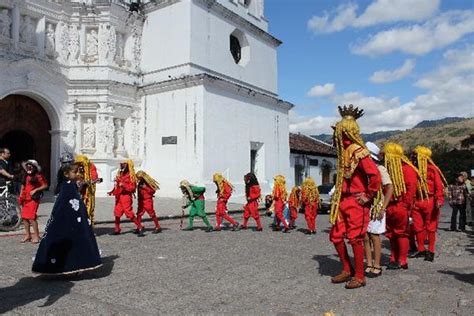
[25, 129]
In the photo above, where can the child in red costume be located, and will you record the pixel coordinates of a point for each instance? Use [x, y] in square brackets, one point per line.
[125, 185]
[252, 193]
[146, 189]
[224, 191]
[280, 196]
[358, 182]
[310, 203]
[30, 197]
[404, 177]
[426, 211]
[294, 205]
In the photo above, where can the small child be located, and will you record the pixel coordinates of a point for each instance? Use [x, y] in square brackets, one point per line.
[294, 205]
[146, 189]
[68, 245]
[31, 192]
[194, 196]
[224, 192]
[252, 193]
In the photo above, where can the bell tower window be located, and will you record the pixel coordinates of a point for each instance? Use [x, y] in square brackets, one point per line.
[235, 48]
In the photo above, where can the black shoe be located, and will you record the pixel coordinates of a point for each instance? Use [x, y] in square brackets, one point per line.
[235, 227]
[285, 230]
[259, 229]
[243, 227]
[157, 230]
[418, 254]
[188, 229]
[404, 266]
[453, 230]
[307, 232]
[209, 229]
[469, 224]
[313, 232]
[276, 229]
[116, 232]
[429, 256]
[393, 266]
[141, 232]
[136, 231]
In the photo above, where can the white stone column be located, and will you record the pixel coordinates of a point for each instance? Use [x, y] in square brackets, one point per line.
[16, 26]
[56, 143]
[82, 42]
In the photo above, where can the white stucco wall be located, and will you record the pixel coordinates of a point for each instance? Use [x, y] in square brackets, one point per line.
[174, 113]
[311, 171]
[210, 49]
[231, 123]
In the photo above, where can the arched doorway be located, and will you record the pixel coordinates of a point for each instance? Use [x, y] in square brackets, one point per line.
[25, 130]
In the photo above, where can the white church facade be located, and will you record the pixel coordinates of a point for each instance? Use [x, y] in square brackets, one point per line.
[184, 88]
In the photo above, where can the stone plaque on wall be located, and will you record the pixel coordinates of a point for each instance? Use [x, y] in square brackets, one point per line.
[169, 140]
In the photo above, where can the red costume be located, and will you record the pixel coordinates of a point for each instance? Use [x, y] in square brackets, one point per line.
[294, 205]
[123, 191]
[426, 212]
[279, 206]
[29, 207]
[145, 204]
[310, 212]
[251, 208]
[223, 197]
[398, 213]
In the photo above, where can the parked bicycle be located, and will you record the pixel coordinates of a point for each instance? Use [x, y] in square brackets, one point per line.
[10, 218]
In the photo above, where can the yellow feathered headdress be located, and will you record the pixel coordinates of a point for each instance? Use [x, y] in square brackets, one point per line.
[148, 179]
[187, 186]
[310, 190]
[84, 161]
[423, 155]
[131, 170]
[294, 198]
[280, 184]
[220, 180]
[394, 157]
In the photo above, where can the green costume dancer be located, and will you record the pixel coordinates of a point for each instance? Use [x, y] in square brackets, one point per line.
[194, 196]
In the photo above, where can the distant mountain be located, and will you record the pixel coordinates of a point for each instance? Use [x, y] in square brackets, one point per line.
[447, 132]
[432, 123]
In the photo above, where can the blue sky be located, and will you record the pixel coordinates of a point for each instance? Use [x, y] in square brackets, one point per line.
[403, 65]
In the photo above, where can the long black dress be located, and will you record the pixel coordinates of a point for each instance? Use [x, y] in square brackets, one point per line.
[69, 244]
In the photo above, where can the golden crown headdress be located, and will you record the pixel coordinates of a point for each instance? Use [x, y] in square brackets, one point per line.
[350, 111]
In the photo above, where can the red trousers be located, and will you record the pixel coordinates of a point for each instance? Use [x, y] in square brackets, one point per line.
[310, 213]
[351, 224]
[251, 210]
[425, 223]
[398, 231]
[279, 207]
[147, 206]
[221, 213]
[293, 215]
[124, 205]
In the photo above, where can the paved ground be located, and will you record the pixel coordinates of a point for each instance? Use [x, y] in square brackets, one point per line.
[242, 273]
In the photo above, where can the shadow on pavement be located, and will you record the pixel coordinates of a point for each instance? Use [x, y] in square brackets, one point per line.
[464, 277]
[51, 288]
[326, 265]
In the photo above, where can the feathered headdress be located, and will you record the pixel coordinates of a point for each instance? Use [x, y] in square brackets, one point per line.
[148, 179]
[220, 181]
[279, 184]
[131, 170]
[309, 190]
[187, 186]
[84, 162]
[294, 198]
[423, 156]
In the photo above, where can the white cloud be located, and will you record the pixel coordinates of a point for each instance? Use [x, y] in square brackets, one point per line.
[343, 16]
[419, 39]
[384, 11]
[379, 11]
[384, 76]
[322, 90]
[449, 92]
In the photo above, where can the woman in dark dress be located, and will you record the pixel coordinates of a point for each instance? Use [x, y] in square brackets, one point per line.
[68, 245]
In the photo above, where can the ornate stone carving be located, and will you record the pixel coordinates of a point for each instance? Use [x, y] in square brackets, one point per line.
[70, 138]
[107, 43]
[92, 46]
[109, 136]
[49, 44]
[5, 23]
[62, 44]
[136, 45]
[119, 136]
[27, 31]
[73, 43]
[88, 134]
[135, 144]
[120, 46]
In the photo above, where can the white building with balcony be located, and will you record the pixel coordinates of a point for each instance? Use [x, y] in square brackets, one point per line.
[185, 88]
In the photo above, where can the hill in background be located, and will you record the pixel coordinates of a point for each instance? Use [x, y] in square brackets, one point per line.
[444, 134]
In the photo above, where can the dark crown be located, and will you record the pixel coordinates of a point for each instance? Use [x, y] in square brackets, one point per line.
[350, 111]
